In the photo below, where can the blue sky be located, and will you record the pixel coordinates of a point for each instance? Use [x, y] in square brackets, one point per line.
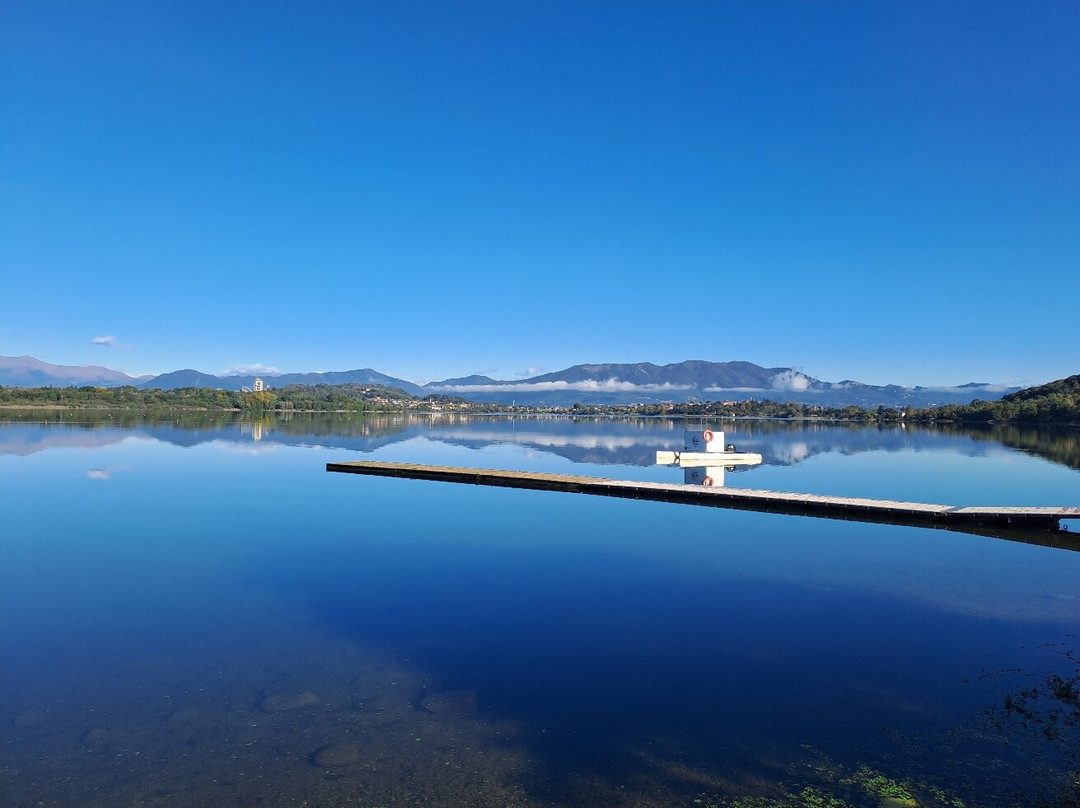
[878, 191]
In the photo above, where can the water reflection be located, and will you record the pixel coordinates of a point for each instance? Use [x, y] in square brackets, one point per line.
[602, 441]
[190, 616]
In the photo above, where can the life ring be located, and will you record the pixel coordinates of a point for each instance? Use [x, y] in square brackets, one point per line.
[707, 436]
[707, 482]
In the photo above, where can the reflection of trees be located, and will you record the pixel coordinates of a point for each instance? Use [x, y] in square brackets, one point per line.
[314, 423]
[635, 437]
[127, 419]
[1059, 445]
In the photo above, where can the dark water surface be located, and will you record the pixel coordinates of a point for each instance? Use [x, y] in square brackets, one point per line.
[193, 612]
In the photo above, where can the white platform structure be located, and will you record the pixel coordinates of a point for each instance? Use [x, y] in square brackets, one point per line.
[705, 457]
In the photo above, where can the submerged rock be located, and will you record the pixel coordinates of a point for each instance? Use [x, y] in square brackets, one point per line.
[97, 735]
[184, 714]
[337, 754]
[28, 720]
[450, 702]
[288, 701]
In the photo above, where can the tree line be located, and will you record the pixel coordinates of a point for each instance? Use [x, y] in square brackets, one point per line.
[317, 398]
[1054, 403]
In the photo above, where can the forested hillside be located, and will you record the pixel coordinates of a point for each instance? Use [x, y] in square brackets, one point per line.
[1056, 402]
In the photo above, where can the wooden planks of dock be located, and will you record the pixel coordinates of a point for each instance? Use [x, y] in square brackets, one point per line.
[1041, 525]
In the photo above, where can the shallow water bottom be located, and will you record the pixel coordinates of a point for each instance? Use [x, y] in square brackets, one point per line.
[303, 716]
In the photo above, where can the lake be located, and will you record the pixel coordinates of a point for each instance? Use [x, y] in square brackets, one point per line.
[194, 612]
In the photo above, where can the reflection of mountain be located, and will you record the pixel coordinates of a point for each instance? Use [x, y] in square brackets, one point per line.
[602, 441]
[634, 442]
[32, 435]
[23, 440]
[791, 446]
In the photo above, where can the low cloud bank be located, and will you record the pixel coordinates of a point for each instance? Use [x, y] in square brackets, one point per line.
[586, 386]
[791, 381]
[982, 388]
[247, 370]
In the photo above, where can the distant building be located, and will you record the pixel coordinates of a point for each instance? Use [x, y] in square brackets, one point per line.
[258, 385]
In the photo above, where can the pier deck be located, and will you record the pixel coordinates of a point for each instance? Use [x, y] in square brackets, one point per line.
[1040, 525]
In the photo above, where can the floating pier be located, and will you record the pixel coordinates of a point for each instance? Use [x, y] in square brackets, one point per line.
[1038, 525]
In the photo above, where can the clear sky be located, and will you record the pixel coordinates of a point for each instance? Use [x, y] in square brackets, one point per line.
[878, 191]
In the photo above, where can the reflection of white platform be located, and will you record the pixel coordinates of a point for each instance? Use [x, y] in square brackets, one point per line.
[707, 458]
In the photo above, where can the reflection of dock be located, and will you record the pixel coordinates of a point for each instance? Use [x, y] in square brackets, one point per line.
[705, 457]
[1039, 525]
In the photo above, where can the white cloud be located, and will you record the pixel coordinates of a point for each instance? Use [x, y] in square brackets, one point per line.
[98, 474]
[585, 386]
[733, 390]
[530, 372]
[791, 380]
[247, 370]
[982, 388]
[110, 341]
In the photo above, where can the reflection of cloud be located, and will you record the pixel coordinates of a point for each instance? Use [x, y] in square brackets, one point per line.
[98, 474]
[260, 448]
[247, 370]
[793, 453]
[584, 386]
[550, 440]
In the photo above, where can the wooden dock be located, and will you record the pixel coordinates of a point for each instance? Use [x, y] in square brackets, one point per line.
[1039, 525]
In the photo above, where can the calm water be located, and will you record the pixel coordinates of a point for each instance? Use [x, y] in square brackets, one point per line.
[193, 612]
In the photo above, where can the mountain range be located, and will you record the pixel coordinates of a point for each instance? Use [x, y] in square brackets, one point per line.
[641, 382]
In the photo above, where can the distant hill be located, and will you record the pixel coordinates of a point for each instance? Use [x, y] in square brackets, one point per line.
[646, 383]
[636, 383]
[192, 378]
[182, 378]
[26, 371]
[475, 379]
[1069, 387]
[1056, 402]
